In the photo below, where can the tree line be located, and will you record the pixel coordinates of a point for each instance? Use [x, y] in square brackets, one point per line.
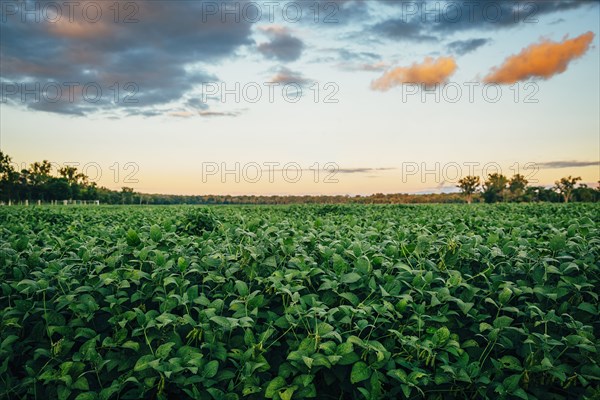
[41, 183]
[499, 188]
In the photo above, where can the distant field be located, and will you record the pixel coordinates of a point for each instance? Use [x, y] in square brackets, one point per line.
[291, 302]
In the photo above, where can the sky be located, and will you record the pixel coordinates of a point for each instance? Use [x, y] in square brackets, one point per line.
[302, 97]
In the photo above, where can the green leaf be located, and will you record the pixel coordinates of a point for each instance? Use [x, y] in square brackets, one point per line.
[250, 389]
[363, 265]
[588, 307]
[132, 238]
[441, 336]
[10, 339]
[505, 295]
[511, 362]
[464, 307]
[86, 396]
[308, 361]
[360, 372]
[242, 288]
[287, 393]
[182, 264]
[155, 233]
[398, 374]
[350, 278]
[502, 322]
[145, 362]
[520, 393]
[211, 368]
[512, 382]
[274, 386]
[81, 384]
[221, 321]
[135, 346]
[164, 350]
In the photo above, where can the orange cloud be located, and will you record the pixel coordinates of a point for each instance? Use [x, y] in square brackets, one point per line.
[430, 72]
[541, 60]
[182, 114]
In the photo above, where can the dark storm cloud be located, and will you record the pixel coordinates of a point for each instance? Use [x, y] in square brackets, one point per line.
[462, 47]
[159, 57]
[282, 45]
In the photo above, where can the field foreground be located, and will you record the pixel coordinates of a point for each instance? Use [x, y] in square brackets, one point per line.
[327, 302]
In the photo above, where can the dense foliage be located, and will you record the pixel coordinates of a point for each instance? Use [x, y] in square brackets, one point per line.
[297, 302]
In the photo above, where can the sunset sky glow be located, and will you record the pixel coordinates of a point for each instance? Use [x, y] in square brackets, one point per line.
[358, 97]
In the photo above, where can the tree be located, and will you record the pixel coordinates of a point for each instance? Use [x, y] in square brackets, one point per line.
[39, 176]
[126, 195]
[8, 178]
[494, 188]
[565, 186]
[517, 186]
[468, 185]
[76, 180]
[58, 189]
[5, 165]
[585, 193]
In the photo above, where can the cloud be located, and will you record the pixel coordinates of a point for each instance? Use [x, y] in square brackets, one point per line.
[403, 29]
[567, 164]
[165, 54]
[329, 13]
[540, 60]
[375, 66]
[359, 170]
[349, 55]
[363, 170]
[210, 114]
[283, 46]
[196, 103]
[557, 21]
[429, 72]
[201, 113]
[182, 114]
[286, 76]
[349, 60]
[421, 21]
[462, 47]
[495, 14]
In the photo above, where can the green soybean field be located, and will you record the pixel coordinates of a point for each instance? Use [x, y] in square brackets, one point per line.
[293, 302]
